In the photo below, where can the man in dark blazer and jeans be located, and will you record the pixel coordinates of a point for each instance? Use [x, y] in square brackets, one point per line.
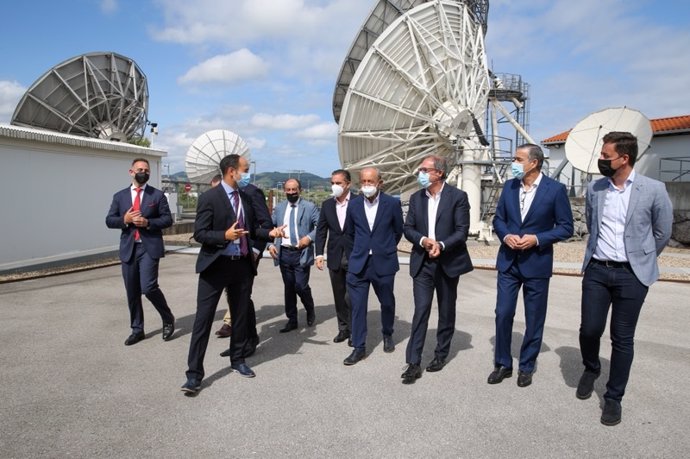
[141, 212]
[437, 224]
[331, 225]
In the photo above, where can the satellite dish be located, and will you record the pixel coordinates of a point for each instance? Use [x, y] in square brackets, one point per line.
[99, 95]
[420, 89]
[202, 161]
[583, 146]
[382, 15]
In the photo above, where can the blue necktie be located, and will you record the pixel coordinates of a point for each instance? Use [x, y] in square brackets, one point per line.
[293, 228]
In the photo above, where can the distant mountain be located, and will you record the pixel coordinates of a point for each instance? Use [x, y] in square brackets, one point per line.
[268, 180]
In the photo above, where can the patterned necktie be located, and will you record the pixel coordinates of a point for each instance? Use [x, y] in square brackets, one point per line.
[240, 222]
[293, 228]
[137, 206]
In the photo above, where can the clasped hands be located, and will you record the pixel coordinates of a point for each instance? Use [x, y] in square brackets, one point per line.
[432, 247]
[524, 242]
[134, 217]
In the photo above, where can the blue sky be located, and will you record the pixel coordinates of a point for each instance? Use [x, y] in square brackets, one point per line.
[266, 69]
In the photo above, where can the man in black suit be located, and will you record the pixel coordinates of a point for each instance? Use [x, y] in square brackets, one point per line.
[330, 226]
[437, 224]
[141, 212]
[258, 200]
[227, 228]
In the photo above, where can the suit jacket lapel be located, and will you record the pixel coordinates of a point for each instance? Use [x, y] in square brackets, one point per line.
[635, 193]
[379, 213]
[540, 192]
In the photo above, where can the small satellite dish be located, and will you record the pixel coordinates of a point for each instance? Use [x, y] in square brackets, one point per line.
[203, 157]
[583, 146]
[99, 95]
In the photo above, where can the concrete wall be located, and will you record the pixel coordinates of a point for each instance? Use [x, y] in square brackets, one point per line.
[57, 190]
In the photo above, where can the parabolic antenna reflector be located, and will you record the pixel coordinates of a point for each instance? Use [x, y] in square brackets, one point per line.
[419, 90]
[100, 95]
[584, 142]
[202, 161]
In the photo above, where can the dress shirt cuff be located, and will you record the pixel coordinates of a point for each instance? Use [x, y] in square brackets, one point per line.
[256, 251]
[443, 246]
[319, 256]
[421, 240]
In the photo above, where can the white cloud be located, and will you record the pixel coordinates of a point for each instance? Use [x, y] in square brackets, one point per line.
[322, 131]
[10, 94]
[283, 122]
[235, 67]
[109, 6]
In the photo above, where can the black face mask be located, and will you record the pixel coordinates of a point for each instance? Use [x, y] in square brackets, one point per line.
[141, 177]
[605, 168]
[292, 197]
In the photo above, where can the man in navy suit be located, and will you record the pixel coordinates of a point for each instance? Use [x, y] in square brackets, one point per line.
[437, 224]
[331, 226]
[533, 213]
[227, 229]
[141, 212]
[374, 226]
[294, 251]
[629, 220]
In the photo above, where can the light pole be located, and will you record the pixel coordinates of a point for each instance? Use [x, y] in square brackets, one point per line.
[253, 163]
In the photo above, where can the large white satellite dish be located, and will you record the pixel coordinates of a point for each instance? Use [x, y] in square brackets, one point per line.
[101, 95]
[202, 161]
[583, 146]
[420, 89]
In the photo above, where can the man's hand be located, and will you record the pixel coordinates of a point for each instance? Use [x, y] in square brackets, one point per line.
[435, 251]
[428, 243]
[526, 242]
[319, 263]
[278, 232]
[131, 214]
[512, 241]
[234, 233]
[304, 242]
[273, 251]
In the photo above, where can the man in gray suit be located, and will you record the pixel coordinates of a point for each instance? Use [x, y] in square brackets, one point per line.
[629, 218]
[294, 252]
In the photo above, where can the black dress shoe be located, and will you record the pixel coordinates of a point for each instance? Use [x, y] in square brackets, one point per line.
[225, 353]
[436, 365]
[191, 387]
[524, 379]
[611, 414]
[499, 374]
[311, 318]
[168, 330]
[134, 338]
[243, 369]
[388, 344]
[356, 356]
[411, 374]
[288, 327]
[341, 336]
[586, 385]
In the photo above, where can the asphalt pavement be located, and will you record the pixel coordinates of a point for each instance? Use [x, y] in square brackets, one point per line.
[70, 388]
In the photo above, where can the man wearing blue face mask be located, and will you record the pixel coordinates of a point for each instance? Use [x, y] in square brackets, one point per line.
[437, 224]
[532, 214]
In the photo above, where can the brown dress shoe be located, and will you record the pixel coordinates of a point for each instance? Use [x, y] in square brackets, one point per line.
[225, 331]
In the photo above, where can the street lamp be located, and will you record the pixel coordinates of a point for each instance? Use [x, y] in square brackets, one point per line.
[253, 163]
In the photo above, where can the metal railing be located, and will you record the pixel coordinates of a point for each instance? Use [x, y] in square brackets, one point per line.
[669, 173]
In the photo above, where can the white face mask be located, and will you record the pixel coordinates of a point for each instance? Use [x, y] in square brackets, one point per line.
[337, 190]
[369, 190]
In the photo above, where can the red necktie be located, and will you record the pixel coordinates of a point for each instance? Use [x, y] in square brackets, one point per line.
[240, 222]
[137, 206]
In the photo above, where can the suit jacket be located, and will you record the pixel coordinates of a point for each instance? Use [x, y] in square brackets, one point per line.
[307, 219]
[263, 216]
[338, 250]
[648, 224]
[214, 215]
[382, 240]
[452, 227]
[154, 207]
[550, 218]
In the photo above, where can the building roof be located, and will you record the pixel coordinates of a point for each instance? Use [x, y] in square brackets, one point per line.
[660, 126]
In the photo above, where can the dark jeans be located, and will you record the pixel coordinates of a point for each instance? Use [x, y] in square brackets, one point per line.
[296, 283]
[618, 287]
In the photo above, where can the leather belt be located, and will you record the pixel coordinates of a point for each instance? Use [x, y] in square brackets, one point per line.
[291, 249]
[233, 257]
[612, 264]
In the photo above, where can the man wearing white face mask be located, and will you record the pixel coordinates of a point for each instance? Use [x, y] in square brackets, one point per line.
[373, 228]
[331, 225]
[532, 214]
